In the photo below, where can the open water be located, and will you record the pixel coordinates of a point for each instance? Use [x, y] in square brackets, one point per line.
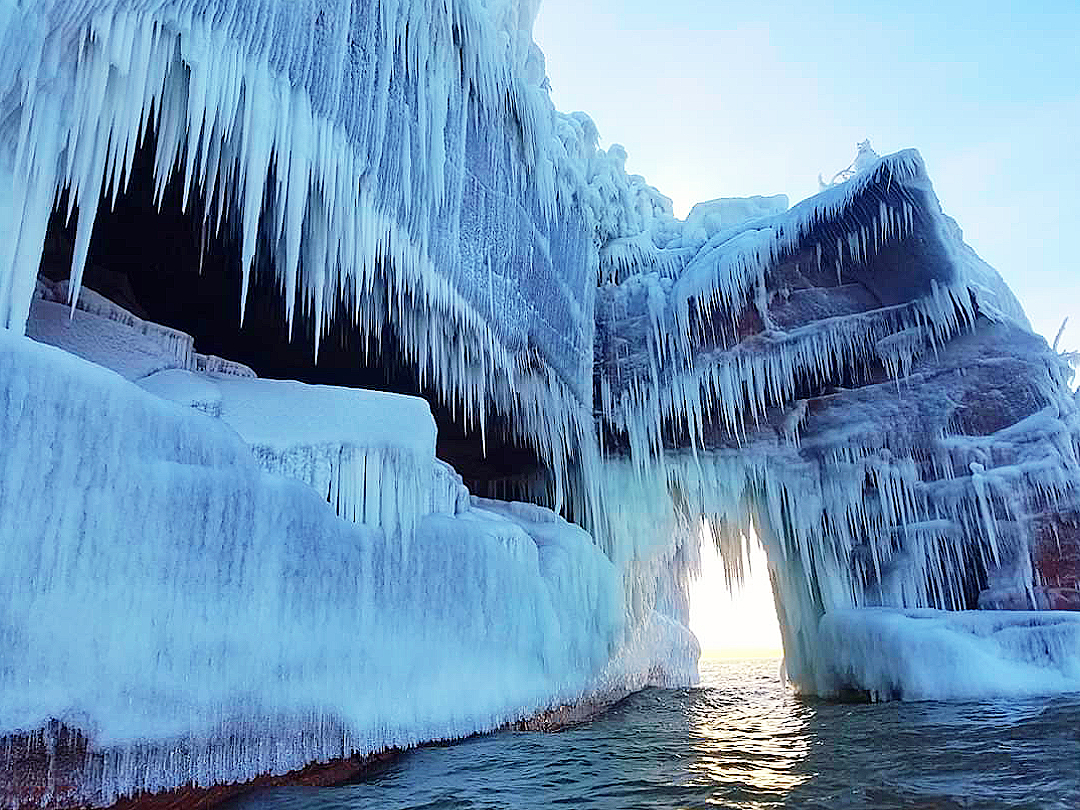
[742, 740]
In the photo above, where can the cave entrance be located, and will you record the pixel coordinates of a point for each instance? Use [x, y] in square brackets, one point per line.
[161, 263]
[736, 620]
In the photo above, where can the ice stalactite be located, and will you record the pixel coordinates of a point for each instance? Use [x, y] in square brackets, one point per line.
[392, 158]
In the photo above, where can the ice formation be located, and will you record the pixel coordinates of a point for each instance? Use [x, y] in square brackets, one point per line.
[279, 573]
[178, 598]
[951, 655]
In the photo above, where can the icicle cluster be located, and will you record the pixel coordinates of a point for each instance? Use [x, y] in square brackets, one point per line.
[394, 163]
[676, 377]
[843, 434]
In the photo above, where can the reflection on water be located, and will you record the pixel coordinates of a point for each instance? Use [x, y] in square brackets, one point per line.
[742, 740]
[748, 735]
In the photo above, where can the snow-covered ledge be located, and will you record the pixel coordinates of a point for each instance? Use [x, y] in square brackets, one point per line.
[884, 654]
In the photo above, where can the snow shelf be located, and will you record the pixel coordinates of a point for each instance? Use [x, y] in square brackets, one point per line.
[371, 454]
[941, 655]
[89, 325]
[112, 343]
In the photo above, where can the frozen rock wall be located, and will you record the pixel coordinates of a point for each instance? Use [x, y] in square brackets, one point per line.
[387, 160]
[184, 552]
[849, 373]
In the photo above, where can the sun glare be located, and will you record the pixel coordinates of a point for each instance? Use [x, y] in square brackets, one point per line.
[734, 625]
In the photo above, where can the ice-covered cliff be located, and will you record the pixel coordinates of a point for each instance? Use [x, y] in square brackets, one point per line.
[851, 376]
[212, 574]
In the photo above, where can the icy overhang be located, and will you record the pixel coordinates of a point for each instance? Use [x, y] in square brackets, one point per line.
[853, 284]
[387, 164]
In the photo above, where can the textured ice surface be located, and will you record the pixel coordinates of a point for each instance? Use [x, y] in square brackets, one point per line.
[370, 453]
[93, 337]
[416, 174]
[706, 219]
[169, 595]
[940, 655]
[184, 387]
[105, 333]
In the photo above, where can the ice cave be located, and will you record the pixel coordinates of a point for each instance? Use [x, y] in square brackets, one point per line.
[353, 398]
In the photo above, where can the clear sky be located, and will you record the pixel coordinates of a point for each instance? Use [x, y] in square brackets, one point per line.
[717, 99]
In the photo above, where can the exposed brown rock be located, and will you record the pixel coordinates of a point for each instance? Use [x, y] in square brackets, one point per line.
[42, 770]
[337, 772]
[566, 716]
[1056, 559]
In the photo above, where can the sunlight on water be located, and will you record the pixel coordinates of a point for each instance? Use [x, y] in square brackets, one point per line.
[749, 733]
[741, 740]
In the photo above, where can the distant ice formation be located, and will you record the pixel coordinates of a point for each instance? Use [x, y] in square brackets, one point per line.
[943, 655]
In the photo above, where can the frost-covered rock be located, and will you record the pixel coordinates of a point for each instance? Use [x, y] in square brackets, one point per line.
[851, 374]
[162, 593]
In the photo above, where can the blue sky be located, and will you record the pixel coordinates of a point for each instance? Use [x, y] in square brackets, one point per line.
[715, 99]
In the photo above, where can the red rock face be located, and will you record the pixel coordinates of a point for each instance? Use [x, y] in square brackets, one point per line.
[42, 769]
[1055, 563]
[1056, 560]
[45, 769]
[337, 772]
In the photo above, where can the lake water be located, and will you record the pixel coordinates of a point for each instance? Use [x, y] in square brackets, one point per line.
[741, 740]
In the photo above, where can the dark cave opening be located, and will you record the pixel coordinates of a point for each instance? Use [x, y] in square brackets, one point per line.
[159, 263]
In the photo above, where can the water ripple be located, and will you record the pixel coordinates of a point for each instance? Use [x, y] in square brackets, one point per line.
[741, 740]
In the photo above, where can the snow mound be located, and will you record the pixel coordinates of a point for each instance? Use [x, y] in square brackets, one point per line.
[940, 655]
[706, 219]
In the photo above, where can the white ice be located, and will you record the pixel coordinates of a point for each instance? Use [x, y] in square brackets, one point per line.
[162, 592]
[946, 655]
